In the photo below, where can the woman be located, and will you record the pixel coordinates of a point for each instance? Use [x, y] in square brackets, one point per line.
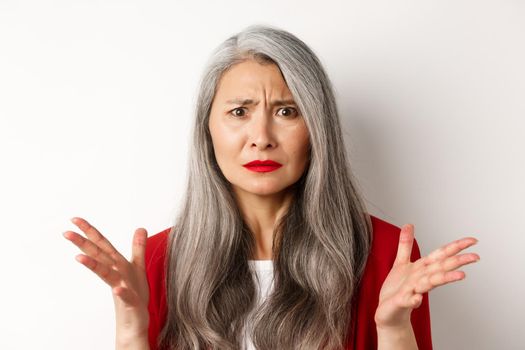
[273, 248]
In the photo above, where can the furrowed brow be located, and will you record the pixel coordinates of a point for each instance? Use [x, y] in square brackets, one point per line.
[283, 102]
[247, 101]
[240, 101]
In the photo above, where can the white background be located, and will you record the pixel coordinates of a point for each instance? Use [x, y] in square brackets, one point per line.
[96, 103]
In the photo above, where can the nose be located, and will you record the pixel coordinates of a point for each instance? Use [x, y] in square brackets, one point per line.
[262, 134]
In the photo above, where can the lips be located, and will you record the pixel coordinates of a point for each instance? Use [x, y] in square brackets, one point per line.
[262, 165]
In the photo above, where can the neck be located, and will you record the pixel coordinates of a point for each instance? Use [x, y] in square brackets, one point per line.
[261, 214]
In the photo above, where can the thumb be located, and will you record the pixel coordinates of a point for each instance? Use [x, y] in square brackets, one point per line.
[138, 250]
[406, 240]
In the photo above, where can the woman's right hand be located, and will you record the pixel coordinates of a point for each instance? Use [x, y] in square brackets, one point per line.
[127, 279]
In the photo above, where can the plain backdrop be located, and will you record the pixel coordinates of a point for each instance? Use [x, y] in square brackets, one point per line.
[96, 101]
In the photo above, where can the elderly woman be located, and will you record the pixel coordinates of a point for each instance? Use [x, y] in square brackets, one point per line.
[273, 247]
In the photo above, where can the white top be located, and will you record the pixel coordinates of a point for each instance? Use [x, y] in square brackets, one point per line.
[264, 281]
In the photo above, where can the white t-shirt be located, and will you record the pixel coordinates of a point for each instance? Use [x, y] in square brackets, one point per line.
[264, 281]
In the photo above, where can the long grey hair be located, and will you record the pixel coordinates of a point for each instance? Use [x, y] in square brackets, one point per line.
[321, 243]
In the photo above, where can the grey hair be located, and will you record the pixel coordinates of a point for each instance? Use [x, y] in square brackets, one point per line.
[321, 244]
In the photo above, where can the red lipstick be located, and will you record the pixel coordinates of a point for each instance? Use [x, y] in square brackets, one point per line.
[262, 165]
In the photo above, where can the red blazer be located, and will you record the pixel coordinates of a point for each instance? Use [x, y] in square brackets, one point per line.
[363, 328]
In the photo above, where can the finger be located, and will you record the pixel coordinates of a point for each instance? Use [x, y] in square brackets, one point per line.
[404, 248]
[451, 249]
[126, 295]
[429, 282]
[416, 300]
[138, 250]
[408, 298]
[88, 247]
[452, 262]
[107, 274]
[97, 238]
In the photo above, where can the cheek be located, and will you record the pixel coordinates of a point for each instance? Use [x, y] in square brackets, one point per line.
[224, 144]
[220, 147]
[299, 151]
[218, 136]
[304, 153]
[301, 145]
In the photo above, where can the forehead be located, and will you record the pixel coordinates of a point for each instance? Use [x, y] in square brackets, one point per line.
[250, 77]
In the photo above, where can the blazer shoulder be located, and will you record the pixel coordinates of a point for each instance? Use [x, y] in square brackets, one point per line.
[385, 234]
[156, 246]
[385, 242]
[155, 259]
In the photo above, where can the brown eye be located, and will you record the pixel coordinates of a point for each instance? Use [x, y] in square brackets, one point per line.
[238, 112]
[288, 111]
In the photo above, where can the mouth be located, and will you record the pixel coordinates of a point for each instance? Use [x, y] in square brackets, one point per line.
[262, 166]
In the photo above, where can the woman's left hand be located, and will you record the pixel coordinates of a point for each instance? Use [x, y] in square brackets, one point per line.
[404, 286]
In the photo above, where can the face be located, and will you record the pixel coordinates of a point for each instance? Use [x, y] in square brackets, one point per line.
[254, 117]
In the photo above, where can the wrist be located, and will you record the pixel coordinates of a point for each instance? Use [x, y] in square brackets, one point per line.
[402, 329]
[137, 341]
[399, 322]
[396, 337]
[393, 327]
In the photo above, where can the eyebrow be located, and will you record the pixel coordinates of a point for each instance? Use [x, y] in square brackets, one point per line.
[249, 101]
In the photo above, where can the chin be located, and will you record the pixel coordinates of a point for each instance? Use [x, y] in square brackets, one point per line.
[261, 189]
[269, 190]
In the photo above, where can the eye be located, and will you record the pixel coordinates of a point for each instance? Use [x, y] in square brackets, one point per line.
[238, 112]
[288, 111]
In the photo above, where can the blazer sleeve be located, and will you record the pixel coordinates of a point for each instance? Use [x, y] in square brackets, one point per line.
[379, 263]
[155, 273]
[420, 317]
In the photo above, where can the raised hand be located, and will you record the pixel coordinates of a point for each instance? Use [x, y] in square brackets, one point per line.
[404, 286]
[127, 279]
